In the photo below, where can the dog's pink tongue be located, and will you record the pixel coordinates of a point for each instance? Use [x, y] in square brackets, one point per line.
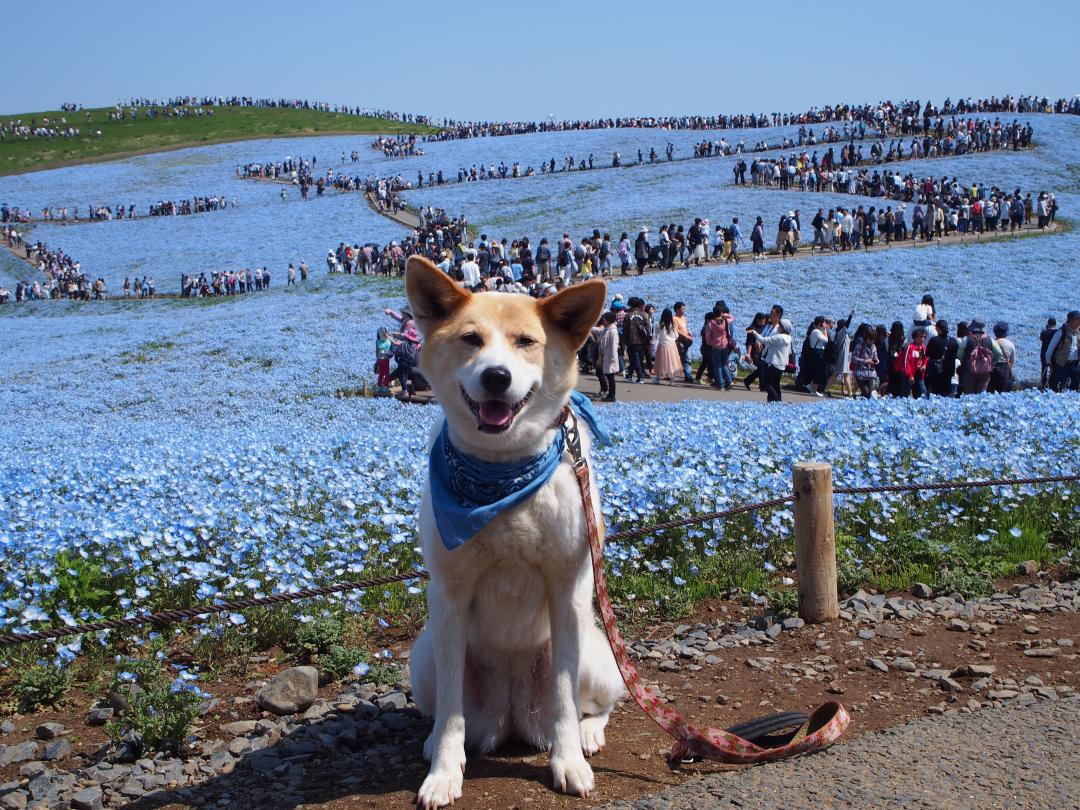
[494, 412]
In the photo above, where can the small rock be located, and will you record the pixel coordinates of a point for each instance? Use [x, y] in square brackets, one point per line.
[290, 691]
[866, 635]
[120, 698]
[13, 801]
[668, 665]
[834, 689]
[1031, 630]
[949, 685]
[49, 731]
[239, 727]
[959, 625]
[222, 762]
[7, 727]
[981, 670]
[392, 701]
[722, 699]
[99, 716]
[1027, 569]
[57, 749]
[10, 754]
[396, 722]
[87, 799]
[904, 664]
[1064, 642]
[922, 591]
[1042, 652]
[1002, 694]
[792, 623]
[878, 664]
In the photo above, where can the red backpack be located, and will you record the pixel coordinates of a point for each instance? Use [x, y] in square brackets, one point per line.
[980, 357]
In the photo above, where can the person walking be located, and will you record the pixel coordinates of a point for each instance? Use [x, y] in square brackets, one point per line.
[776, 351]
[684, 340]
[635, 336]
[667, 364]
[608, 364]
[642, 249]
[732, 237]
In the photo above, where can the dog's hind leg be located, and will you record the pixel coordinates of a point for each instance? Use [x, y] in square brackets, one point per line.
[599, 686]
[487, 705]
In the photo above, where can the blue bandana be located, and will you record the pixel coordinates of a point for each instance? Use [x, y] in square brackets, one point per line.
[468, 493]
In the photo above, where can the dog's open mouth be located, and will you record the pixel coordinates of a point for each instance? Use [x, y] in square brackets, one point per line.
[494, 415]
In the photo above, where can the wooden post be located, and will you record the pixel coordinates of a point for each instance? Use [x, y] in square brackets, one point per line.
[815, 542]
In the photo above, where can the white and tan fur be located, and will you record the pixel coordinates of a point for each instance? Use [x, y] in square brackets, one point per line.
[511, 647]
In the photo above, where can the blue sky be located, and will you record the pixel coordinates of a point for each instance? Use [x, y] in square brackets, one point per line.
[514, 60]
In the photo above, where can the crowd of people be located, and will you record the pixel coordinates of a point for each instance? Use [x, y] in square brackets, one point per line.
[917, 360]
[209, 102]
[233, 282]
[63, 276]
[45, 127]
[405, 145]
[903, 117]
[100, 213]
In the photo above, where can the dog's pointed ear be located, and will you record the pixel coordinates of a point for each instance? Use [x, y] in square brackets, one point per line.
[575, 310]
[432, 294]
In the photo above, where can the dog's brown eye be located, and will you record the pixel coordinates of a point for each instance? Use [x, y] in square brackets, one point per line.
[525, 342]
[473, 339]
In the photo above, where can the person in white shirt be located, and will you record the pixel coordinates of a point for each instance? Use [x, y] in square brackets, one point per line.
[776, 351]
[470, 270]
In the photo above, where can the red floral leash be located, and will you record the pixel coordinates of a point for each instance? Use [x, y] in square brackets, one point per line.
[823, 727]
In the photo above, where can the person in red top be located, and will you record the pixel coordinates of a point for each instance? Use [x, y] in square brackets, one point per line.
[915, 364]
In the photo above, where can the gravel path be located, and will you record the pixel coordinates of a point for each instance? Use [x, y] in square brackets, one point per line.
[1015, 756]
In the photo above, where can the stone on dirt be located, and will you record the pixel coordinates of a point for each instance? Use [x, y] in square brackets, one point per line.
[290, 691]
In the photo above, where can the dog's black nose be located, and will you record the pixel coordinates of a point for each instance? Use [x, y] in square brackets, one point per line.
[496, 379]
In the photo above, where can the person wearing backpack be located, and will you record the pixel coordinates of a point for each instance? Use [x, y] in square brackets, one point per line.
[543, 260]
[635, 336]
[1063, 354]
[1001, 379]
[941, 352]
[978, 355]
[720, 338]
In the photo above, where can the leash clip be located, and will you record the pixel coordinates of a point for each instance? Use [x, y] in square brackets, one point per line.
[573, 438]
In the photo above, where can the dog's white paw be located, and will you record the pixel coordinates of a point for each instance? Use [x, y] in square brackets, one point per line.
[441, 788]
[572, 774]
[429, 747]
[592, 735]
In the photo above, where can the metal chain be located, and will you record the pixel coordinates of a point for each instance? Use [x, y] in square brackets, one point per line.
[230, 606]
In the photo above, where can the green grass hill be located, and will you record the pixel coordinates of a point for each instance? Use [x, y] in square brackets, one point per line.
[143, 135]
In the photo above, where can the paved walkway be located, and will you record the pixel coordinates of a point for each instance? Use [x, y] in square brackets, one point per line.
[1013, 757]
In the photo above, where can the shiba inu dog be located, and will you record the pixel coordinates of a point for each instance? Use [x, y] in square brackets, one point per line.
[511, 647]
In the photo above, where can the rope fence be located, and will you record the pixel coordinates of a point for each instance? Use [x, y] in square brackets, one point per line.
[181, 615]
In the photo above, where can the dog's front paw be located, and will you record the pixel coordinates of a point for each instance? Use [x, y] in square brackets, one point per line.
[592, 735]
[442, 787]
[572, 774]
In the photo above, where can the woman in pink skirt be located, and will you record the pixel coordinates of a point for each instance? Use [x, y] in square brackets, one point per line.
[667, 365]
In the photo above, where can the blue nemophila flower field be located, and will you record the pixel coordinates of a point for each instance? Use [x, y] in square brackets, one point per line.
[258, 504]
